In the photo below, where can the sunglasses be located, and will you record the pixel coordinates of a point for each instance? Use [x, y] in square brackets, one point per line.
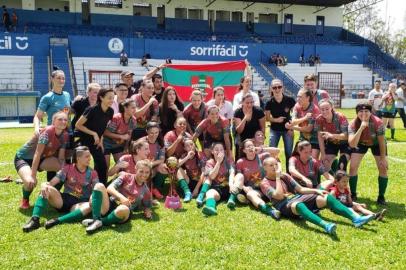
[277, 87]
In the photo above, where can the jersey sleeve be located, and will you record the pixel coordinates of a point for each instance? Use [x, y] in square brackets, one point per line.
[43, 137]
[267, 189]
[61, 174]
[43, 103]
[118, 182]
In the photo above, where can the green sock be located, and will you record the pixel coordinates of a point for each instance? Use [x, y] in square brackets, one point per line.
[111, 219]
[340, 209]
[204, 189]
[264, 208]
[383, 183]
[26, 194]
[334, 166]
[159, 180]
[183, 185]
[211, 202]
[73, 216]
[392, 133]
[40, 204]
[233, 197]
[308, 215]
[353, 184]
[97, 198]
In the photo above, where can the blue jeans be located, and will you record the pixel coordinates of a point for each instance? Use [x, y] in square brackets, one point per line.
[287, 141]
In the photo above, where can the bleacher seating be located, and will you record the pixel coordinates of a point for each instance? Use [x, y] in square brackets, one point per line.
[352, 74]
[16, 73]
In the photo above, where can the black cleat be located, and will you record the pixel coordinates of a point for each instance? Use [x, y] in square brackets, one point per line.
[31, 225]
[354, 197]
[50, 223]
[381, 200]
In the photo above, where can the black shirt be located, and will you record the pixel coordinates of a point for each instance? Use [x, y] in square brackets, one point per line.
[158, 97]
[170, 120]
[251, 126]
[279, 109]
[78, 107]
[97, 121]
[133, 89]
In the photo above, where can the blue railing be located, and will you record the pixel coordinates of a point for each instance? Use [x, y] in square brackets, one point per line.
[290, 84]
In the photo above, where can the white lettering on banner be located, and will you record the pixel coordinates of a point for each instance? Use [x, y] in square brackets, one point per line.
[21, 43]
[220, 50]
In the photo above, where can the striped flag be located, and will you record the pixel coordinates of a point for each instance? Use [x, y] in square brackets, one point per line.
[185, 78]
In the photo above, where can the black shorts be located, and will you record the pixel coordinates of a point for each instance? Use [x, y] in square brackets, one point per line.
[19, 163]
[224, 191]
[333, 149]
[114, 151]
[69, 201]
[309, 200]
[209, 140]
[388, 115]
[362, 149]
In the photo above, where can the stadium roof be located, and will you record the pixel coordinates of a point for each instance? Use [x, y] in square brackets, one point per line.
[320, 3]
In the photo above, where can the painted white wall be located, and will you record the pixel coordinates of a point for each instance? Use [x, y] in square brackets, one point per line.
[11, 4]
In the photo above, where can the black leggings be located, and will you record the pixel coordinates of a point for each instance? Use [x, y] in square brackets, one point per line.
[99, 162]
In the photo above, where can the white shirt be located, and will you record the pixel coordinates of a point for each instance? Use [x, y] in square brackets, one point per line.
[400, 103]
[238, 99]
[376, 98]
[226, 110]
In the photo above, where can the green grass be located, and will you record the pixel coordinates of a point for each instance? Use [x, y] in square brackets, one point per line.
[238, 239]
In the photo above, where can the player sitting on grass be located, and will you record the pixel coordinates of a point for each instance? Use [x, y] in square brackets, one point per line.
[78, 180]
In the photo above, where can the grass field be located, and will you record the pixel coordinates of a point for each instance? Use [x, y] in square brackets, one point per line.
[240, 239]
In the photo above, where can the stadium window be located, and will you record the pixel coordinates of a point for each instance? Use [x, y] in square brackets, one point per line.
[195, 14]
[223, 15]
[108, 3]
[236, 16]
[142, 10]
[180, 13]
[268, 18]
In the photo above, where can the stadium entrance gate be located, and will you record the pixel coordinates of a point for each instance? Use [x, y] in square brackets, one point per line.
[331, 82]
[106, 78]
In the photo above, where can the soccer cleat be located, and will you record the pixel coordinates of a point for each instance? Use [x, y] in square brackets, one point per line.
[50, 223]
[199, 200]
[31, 225]
[155, 203]
[209, 211]
[379, 216]
[381, 200]
[242, 199]
[276, 214]
[331, 228]
[157, 194]
[94, 226]
[188, 197]
[354, 197]
[25, 204]
[362, 220]
[87, 222]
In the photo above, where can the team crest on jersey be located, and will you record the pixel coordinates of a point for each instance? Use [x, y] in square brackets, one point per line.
[286, 110]
[203, 83]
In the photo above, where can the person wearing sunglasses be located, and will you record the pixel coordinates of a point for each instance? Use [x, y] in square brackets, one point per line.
[277, 112]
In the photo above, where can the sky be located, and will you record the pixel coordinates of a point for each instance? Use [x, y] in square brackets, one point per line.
[394, 12]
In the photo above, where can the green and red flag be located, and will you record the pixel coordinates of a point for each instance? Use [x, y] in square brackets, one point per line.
[186, 78]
